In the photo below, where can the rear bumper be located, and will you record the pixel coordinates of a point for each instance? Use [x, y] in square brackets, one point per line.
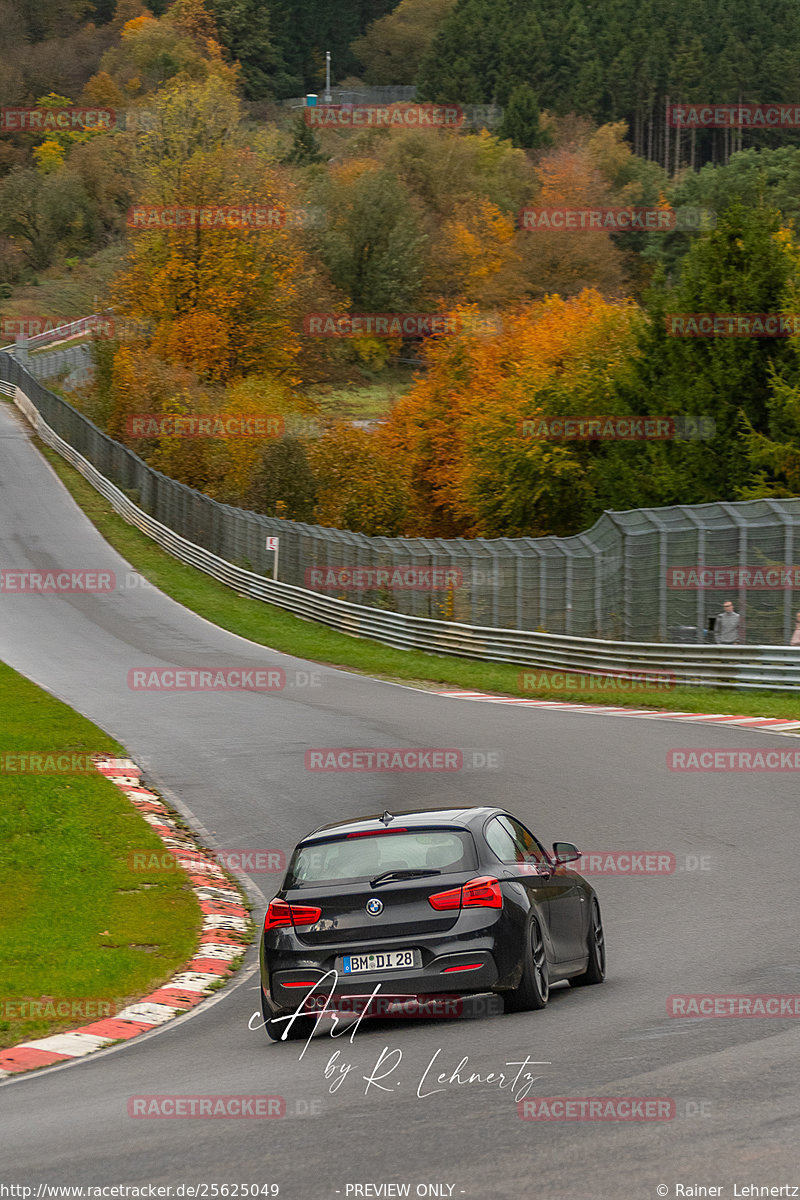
[290, 980]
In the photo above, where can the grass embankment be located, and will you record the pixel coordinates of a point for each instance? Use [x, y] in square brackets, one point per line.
[77, 924]
[271, 626]
[59, 295]
[366, 401]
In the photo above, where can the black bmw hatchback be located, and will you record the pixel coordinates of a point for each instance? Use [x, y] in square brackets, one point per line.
[426, 903]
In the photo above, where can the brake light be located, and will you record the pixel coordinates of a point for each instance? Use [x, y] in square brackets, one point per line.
[280, 914]
[375, 832]
[483, 892]
[305, 914]
[445, 900]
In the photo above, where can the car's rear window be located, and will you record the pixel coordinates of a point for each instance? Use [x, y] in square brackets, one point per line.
[367, 855]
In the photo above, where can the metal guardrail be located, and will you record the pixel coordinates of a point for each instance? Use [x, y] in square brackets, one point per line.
[63, 333]
[59, 333]
[740, 667]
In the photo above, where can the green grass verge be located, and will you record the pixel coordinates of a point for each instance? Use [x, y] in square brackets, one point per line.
[367, 401]
[271, 626]
[76, 923]
[67, 344]
[59, 293]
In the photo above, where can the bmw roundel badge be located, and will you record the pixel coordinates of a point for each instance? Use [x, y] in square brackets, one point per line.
[374, 906]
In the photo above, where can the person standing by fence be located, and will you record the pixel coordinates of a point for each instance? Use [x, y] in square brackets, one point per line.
[727, 626]
[795, 640]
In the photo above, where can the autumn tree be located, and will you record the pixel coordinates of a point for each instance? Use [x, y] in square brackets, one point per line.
[476, 470]
[283, 484]
[474, 258]
[360, 486]
[150, 53]
[221, 300]
[443, 170]
[372, 243]
[568, 260]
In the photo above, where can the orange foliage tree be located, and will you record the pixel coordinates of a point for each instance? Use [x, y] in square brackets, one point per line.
[360, 485]
[475, 257]
[223, 300]
[460, 431]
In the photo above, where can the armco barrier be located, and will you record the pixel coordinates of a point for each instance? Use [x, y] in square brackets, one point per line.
[614, 582]
[739, 667]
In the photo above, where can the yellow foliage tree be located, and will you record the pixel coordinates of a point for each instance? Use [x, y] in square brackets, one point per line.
[461, 432]
[475, 259]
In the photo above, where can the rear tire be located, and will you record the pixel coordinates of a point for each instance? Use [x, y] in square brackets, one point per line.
[596, 967]
[533, 990]
[300, 1029]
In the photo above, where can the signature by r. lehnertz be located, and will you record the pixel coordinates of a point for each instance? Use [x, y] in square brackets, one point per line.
[385, 1071]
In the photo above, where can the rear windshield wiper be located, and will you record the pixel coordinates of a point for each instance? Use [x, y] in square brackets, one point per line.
[403, 873]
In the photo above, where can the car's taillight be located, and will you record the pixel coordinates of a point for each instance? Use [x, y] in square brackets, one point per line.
[476, 893]
[280, 913]
[482, 893]
[445, 900]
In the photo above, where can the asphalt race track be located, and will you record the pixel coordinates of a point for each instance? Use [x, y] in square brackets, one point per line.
[236, 762]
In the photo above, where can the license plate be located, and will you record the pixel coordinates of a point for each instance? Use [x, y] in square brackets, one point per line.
[384, 960]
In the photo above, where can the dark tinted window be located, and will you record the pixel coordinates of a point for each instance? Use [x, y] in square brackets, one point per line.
[360, 858]
[511, 841]
[527, 841]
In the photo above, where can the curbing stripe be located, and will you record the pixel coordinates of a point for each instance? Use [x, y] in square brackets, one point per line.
[113, 1028]
[72, 1044]
[176, 998]
[27, 1058]
[148, 1011]
[219, 942]
[766, 724]
[214, 950]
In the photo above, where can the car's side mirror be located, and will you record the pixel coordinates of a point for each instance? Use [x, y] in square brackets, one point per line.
[565, 852]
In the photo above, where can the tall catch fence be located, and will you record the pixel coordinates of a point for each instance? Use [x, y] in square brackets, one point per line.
[647, 575]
